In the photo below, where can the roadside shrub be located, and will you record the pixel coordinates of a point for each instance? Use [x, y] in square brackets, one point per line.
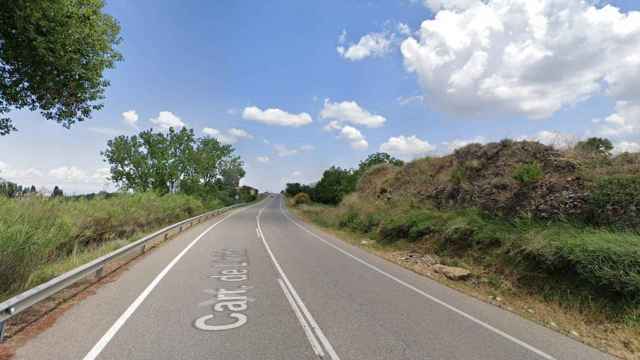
[609, 262]
[615, 201]
[527, 174]
[301, 198]
[411, 225]
[468, 229]
[364, 223]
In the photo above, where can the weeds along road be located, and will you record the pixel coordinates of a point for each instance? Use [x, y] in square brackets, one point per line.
[259, 284]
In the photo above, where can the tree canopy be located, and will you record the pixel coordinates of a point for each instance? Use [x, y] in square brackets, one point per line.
[595, 146]
[376, 159]
[174, 161]
[53, 54]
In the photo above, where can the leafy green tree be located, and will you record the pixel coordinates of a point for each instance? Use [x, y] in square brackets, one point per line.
[292, 189]
[53, 54]
[595, 146]
[8, 188]
[334, 185]
[57, 192]
[175, 161]
[376, 159]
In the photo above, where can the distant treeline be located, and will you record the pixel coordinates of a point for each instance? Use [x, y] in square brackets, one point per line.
[337, 182]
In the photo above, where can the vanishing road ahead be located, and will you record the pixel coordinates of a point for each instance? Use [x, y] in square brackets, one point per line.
[259, 284]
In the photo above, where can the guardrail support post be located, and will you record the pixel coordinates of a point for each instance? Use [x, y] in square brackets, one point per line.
[2, 324]
[144, 248]
[99, 273]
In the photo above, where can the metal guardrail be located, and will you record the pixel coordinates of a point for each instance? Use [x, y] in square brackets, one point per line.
[20, 302]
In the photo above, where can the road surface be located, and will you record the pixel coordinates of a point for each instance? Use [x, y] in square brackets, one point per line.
[257, 283]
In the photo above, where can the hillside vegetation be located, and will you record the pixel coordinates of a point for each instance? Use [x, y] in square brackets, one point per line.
[560, 224]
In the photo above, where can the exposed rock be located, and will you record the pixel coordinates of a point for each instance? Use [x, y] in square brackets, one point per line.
[430, 259]
[452, 272]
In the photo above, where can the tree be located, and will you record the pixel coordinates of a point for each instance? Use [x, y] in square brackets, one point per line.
[334, 185]
[175, 161]
[292, 189]
[376, 159]
[57, 192]
[9, 189]
[595, 146]
[53, 54]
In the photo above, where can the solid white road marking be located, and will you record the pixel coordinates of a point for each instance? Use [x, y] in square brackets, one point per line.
[430, 297]
[102, 343]
[314, 325]
[305, 326]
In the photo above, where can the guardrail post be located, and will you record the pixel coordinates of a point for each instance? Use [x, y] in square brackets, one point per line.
[2, 324]
[166, 235]
[99, 273]
[144, 248]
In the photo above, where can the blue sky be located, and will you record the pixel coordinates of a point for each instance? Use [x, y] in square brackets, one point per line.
[206, 62]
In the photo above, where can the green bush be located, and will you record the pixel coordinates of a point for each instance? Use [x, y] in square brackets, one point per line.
[615, 201]
[301, 198]
[411, 225]
[36, 231]
[608, 262]
[527, 174]
[458, 175]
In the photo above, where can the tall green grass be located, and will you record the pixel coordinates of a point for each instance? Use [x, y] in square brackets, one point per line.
[36, 232]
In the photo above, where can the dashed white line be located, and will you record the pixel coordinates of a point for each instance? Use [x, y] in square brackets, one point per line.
[430, 297]
[312, 322]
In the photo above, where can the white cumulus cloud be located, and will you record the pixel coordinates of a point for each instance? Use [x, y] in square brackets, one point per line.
[349, 112]
[69, 174]
[276, 117]
[404, 29]
[524, 57]
[374, 44]
[240, 133]
[458, 143]
[626, 146]
[263, 159]
[556, 139]
[131, 118]
[436, 5]
[166, 120]
[625, 121]
[231, 136]
[407, 147]
[354, 137]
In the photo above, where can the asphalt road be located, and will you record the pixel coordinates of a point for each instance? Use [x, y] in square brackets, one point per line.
[259, 284]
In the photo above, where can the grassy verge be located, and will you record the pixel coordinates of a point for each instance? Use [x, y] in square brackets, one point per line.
[579, 280]
[41, 238]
